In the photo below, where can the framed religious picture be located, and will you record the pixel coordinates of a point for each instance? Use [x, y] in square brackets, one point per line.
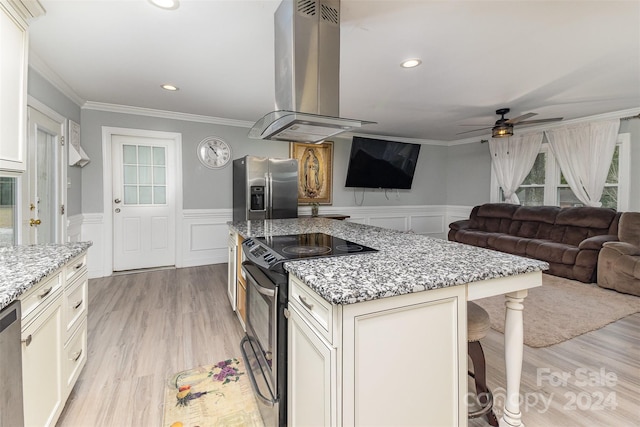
[314, 171]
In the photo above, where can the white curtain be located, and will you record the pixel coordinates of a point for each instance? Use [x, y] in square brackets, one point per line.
[512, 160]
[584, 153]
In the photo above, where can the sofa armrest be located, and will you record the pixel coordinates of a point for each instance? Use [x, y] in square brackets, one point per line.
[462, 224]
[623, 248]
[596, 242]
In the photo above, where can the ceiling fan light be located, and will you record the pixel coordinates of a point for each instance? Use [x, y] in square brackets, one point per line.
[501, 131]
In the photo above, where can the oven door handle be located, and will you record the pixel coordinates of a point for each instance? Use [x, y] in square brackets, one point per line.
[257, 277]
[254, 385]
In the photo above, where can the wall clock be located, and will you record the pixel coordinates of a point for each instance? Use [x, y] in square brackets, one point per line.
[214, 153]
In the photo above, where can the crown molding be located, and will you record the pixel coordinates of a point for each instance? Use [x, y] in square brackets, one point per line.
[149, 112]
[38, 65]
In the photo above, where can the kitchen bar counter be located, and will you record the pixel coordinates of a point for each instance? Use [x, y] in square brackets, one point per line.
[405, 263]
[361, 324]
[21, 267]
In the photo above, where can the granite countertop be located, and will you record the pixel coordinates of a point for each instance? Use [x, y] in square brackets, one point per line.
[21, 267]
[405, 263]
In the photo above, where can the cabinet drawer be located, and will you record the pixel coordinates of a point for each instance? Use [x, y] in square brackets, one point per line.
[312, 307]
[40, 295]
[75, 302]
[76, 267]
[74, 357]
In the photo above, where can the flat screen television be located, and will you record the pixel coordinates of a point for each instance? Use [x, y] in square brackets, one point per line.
[376, 163]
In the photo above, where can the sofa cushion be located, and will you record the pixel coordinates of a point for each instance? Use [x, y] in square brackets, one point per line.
[473, 237]
[629, 228]
[586, 217]
[510, 244]
[556, 252]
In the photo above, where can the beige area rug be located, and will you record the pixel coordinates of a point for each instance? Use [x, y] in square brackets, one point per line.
[215, 395]
[562, 309]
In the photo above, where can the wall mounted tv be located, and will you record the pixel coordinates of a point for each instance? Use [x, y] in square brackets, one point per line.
[375, 163]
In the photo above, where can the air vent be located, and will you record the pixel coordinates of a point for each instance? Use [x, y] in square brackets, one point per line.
[307, 7]
[329, 14]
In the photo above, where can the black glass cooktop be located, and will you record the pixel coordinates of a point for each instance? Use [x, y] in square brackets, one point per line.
[312, 245]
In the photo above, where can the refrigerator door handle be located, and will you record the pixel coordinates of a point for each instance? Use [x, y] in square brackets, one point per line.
[270, 183]
[267, 196]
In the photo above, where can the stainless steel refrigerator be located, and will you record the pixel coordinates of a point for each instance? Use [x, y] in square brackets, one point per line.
[265, 188]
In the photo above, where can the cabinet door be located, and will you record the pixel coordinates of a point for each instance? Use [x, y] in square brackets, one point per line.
[231, 276]
[41, 367]
[13, 83]
[311, 375]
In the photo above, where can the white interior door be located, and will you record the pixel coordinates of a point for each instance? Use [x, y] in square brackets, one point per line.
[43, 219]
[143, 202]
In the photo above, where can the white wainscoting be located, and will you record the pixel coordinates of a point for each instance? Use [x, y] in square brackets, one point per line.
[205, 231]
[205, 234]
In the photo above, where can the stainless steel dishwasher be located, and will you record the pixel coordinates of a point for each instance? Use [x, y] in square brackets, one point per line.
[11, 411]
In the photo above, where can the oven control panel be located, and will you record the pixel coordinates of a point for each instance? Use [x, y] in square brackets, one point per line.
[260, 254]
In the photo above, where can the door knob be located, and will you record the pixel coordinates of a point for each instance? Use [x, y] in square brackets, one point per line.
[117, 201]
[33, 222]
[117, 210]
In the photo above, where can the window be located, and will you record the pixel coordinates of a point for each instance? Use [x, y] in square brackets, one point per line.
[545, 184]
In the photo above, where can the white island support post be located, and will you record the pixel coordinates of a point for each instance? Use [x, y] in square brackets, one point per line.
[513, 351]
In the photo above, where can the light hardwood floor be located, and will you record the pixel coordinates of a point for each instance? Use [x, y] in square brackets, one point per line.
[145, 327]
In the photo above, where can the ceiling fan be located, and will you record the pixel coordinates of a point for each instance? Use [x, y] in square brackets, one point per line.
[504, 127]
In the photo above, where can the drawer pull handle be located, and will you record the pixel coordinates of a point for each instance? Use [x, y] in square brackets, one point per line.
[28, 340]
[45, 293]
[79, 266]
[304, 302]
[76, 355]
[76, 305]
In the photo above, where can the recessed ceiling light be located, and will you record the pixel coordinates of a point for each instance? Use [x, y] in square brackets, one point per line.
[410, 63]
[172, 88]
[165, 4]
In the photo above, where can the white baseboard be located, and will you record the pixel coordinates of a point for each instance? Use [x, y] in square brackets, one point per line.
[205, 231]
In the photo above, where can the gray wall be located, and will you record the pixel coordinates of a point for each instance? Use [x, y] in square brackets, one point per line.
[45, 92]
[468, 174]
[212, 189]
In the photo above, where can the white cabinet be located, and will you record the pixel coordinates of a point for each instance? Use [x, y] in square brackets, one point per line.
[41, 356]
[231, 276]
[14, 45]
[312, 375]
[392, 361]
[54, 341]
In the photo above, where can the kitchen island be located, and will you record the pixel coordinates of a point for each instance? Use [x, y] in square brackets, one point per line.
[389, 328]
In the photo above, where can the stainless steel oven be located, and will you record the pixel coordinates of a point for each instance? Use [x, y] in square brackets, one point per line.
[264, 347]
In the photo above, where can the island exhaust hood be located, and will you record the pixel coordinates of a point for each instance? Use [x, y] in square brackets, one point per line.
[307, 65]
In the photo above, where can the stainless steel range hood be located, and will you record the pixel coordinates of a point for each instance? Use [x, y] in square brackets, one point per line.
[307, 65]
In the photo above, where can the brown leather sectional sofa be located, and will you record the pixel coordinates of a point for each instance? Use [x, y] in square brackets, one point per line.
[569, 239]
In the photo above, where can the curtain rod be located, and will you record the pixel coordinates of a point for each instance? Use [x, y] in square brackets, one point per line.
[637, 116]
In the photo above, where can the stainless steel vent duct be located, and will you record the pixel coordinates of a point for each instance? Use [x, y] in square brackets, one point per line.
[307, 71]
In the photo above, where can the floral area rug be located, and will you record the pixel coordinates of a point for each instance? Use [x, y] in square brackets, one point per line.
[215, 395]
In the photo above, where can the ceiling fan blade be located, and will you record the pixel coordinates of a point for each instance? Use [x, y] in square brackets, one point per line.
[520, 118]
[476, 125]
[474, 130]
[533, 122]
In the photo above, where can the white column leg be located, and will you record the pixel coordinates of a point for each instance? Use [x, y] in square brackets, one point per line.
[513, 349]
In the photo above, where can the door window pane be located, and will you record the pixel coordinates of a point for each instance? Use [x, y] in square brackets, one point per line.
[159, 175]
[159, 195]
[146, 197]
[130, 175]
[129, 154]
[144, 173]
[144, 155]
[158, 156]
[7, 211]
[46, 192]
[130, 195]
